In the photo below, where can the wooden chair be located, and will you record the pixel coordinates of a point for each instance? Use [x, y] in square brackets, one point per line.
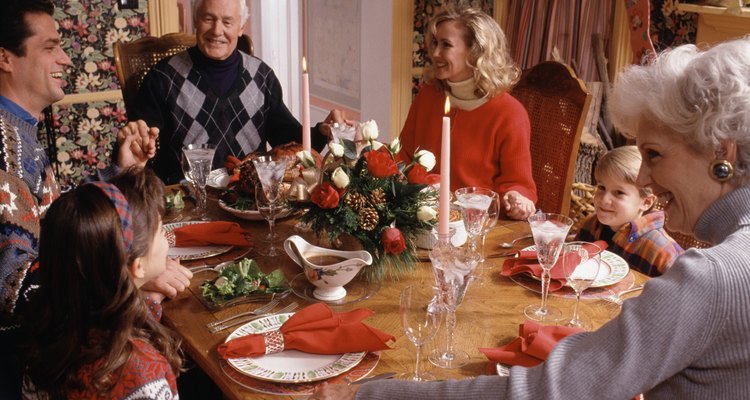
[134, 59]
[557, 103]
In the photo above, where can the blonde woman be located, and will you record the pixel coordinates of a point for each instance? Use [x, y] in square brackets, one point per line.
[490, 130]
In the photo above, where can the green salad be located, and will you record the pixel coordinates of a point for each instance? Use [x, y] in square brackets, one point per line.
[174, 201]
[241, 278]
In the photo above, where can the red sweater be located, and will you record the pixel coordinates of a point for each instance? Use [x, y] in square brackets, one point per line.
[489, 145]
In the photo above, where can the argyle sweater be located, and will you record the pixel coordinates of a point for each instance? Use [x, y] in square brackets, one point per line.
[179, 100]
[27, 187]
[643, 243]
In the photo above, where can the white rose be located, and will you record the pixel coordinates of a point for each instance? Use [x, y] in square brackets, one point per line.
[426, 159]
[376, 145]
[340, 178]
[336, 148]
[395, 146]
[426, 213]
[369, 130]
[306, 158]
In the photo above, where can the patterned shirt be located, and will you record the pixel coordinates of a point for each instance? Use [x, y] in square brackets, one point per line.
[643, 243]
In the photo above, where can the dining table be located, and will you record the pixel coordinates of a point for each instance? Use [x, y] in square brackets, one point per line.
[489, 315]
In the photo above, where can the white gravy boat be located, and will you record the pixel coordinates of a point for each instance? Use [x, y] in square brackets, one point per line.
[329, 279]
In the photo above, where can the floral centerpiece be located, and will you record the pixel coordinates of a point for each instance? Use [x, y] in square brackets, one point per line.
[361, 189]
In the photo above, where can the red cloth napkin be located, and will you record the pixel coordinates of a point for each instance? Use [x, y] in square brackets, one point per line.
[533, 345]
[527, 263]
[315, 329]
[209, 233]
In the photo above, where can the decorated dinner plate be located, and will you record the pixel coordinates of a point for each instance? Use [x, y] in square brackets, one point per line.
[289, 366]
[252, 215]
[218, 179]
[612, 270]
[194, 252]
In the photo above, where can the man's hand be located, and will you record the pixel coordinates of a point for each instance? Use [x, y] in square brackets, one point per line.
[137, 144]
[517, 206]
[335, 117]
[172, 281]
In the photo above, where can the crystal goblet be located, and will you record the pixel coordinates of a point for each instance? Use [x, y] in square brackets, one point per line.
[549, 231]
[269, 200]
[581, 262]
[197, 160]
[479, 209]
[452, 268]
[420, 324]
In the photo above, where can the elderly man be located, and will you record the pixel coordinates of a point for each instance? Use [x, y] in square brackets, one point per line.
[213, 93]
[32, 73]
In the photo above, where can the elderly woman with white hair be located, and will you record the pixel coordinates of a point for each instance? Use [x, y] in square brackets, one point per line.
[213, 93]
[687, 336]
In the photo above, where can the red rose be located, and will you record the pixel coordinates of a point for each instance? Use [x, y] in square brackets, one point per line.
[418, 176]
[325, 196]
[393, 241]
[380, 163]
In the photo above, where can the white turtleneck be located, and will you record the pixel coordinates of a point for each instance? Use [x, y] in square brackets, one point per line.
[463, 95]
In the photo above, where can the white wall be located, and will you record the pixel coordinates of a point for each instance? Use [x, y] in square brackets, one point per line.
[376, 65]
[275, 26]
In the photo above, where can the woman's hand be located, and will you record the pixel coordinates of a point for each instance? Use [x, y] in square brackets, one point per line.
[137, 144]
[172, 281]
[517, 206]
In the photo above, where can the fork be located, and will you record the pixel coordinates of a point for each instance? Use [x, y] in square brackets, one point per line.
[617, 297]
[218, 328]
[260, 310]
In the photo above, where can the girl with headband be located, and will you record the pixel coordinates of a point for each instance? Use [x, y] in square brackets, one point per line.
[90, 332]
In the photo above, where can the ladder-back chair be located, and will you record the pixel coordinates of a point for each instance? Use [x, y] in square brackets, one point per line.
[134, 59]
[557, 103]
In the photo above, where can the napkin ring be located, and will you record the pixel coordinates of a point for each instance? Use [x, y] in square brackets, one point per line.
[274, 341]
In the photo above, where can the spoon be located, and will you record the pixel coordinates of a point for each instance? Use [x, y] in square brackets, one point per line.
[507, 245]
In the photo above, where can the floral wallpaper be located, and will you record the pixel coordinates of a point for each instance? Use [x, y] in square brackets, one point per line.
[85, 132]
[670, 27]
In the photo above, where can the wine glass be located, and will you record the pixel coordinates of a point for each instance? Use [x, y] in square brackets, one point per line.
[420, 323]
[452, 267]
[581, 262]
[270, 173]
[549, 231]
[197, 161]
[479, 209]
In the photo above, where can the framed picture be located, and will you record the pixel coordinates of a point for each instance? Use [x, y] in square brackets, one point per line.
[333, 50]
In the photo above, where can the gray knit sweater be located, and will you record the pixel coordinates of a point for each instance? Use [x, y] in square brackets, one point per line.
[687, 336]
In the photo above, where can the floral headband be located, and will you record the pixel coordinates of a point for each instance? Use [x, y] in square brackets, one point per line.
[123, 210]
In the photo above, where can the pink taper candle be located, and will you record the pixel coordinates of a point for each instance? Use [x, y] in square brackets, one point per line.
[445, 173]
[306, 145]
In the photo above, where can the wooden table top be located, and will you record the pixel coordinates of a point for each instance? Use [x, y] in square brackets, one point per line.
[488, 317]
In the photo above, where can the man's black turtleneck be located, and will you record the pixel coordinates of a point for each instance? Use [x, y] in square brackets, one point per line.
[220, 74]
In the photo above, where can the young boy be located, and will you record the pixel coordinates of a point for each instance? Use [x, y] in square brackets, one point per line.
[622, 215]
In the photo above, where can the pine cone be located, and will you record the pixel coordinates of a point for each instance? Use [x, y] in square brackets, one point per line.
[377, 197]
[368, 218]
[355, 200]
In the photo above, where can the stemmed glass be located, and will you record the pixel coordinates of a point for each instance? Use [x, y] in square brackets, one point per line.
[452, 268]
[549, 231]
[581, 262]
[420, 323]
[270, 173]
[479, 209]
[197, 160]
